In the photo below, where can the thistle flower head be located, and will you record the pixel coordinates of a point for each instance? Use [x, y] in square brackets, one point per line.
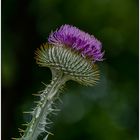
[78, 40]
[72, 52]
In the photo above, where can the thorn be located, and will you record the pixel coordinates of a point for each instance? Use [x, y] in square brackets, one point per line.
[48, 132]
[42, 123]
[36, 94]
[37, 102]
[20, 134]
[28, 112]
[47, 127]
[15, 138]
[51, 109]
[33, 109]
[46, 123]
[26, 124]
[46, 137]
[54, 110]
[43, 130]
[48, 119]
[44, 84]
[60, 100]
[21, 130]
[49, 122]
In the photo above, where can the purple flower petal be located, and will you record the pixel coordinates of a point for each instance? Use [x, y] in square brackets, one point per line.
[80, 41]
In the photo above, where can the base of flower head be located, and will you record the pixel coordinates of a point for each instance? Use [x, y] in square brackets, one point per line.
[71, 63]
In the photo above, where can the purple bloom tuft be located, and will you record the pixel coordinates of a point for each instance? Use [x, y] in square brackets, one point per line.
[80, 41]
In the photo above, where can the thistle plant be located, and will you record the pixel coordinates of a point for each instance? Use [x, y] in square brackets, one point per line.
[70, 54]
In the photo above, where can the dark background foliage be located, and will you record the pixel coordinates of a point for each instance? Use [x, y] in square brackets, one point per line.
[108, 111]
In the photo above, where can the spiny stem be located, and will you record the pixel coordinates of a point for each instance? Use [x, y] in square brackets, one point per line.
[44, 108]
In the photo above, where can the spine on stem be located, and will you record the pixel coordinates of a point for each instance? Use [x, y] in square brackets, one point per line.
[40, 114]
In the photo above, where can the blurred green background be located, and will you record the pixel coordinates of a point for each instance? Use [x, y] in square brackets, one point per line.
[108, 111]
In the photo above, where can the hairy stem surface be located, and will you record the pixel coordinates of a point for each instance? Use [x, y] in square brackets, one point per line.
[40, 120]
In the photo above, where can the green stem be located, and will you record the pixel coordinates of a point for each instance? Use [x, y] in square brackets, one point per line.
[44, 108]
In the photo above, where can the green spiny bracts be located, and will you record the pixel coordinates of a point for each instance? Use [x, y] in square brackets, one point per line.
[71, 55]
[70, 62]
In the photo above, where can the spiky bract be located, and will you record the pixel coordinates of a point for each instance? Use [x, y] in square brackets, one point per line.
[70, 62]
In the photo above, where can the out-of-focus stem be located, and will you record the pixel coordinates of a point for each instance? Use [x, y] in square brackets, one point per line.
[44, 108]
